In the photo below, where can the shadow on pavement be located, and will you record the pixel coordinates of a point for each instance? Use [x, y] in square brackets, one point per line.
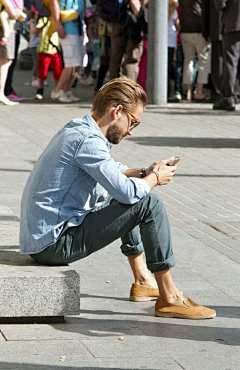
[186, 142]
[24, 366]
[222, 311]
[13, 170]
[162, 329]
[191, 111]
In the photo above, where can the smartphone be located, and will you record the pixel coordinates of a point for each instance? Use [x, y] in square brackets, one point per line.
[176, 160]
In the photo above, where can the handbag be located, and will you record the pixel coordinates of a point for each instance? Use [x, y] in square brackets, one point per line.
[65, 15]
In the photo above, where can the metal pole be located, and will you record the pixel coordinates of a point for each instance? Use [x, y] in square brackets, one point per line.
[157, 51]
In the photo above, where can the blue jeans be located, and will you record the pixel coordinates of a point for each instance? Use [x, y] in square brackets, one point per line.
[142, 227]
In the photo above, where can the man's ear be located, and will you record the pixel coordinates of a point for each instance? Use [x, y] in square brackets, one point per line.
[116, 111]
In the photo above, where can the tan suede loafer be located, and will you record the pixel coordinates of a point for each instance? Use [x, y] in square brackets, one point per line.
[188, 310]
[141, 293]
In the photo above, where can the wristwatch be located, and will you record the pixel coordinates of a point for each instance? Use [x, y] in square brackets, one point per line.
[142, 173]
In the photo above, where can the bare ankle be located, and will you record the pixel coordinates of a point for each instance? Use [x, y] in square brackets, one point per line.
[146, 280]
[173, 298]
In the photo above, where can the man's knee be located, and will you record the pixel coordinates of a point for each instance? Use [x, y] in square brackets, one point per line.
[153, 201]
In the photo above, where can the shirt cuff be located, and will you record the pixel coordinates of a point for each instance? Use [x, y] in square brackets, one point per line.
[122, 167]
[142, 187]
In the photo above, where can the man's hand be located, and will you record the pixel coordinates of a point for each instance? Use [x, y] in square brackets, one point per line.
[61, 32]
[55, 12]
[164, 171]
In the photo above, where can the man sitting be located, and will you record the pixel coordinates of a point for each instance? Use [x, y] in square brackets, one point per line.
[78, 200]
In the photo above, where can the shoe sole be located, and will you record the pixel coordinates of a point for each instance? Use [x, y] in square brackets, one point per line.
[142, 299]
[179, 316]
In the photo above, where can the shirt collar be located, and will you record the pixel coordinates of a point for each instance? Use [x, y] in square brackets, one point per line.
[93, 123]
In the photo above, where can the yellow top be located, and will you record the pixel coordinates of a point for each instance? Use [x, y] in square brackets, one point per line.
[45, 46]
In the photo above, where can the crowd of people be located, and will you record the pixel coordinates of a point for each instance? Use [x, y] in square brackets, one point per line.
[203, 47]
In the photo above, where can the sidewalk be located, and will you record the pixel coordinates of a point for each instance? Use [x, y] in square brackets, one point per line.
[204, 211]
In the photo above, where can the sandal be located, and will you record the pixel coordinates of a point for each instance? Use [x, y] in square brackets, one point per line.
[4, 40]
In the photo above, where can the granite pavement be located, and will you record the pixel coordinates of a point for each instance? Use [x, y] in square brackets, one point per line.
[204, 210]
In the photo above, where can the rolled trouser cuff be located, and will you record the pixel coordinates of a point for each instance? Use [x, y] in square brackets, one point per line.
[162, 266]
[130, 250]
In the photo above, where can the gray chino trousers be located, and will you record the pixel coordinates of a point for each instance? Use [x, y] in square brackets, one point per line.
[143, 227]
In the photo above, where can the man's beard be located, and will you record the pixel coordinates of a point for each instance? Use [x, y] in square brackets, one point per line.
[115, 135]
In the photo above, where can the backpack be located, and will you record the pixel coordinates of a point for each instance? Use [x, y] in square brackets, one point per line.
[109, 10]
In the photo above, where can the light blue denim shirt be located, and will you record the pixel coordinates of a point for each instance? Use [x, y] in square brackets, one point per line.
[73, 175]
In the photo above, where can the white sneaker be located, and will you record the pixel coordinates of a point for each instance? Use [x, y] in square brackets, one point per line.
[72, 97]
[64, 98]
[89, 81]
[56, 94]
[39, 96]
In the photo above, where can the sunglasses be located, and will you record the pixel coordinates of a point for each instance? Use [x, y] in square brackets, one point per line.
[134, 121]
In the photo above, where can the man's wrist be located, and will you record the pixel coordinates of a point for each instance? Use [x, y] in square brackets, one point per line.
[157, 176]
[59, 26]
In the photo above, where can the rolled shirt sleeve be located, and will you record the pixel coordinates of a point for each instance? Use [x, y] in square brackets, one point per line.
[93, 157]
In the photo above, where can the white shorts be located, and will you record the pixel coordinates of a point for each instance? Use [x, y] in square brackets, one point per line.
[71, 48]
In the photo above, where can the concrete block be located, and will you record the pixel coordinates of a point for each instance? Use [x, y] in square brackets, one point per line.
[31, 290]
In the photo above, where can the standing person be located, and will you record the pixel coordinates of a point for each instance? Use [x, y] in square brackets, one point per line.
[173, 26]
[143, 18]
[126, 38]
[48, 55]
[33, 43]
[231, 52]
[179, 67]
[104, 32]
[88, 79]
[86, 200]
[4, 18]
[9, 92]
[212, 31]
[70, 34]
[7, 51]
[193, 42]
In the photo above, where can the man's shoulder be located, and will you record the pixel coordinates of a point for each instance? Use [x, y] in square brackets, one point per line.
[84, 127]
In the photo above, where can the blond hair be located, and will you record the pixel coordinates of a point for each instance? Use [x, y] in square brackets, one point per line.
[119, 91]
[172, 6]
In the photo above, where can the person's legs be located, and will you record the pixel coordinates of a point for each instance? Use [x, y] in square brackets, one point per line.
[56, 65]
[189, 52]
[64, 80]
[8, 86]
[231, 48]
[170, 60]
[4, 66]
[142, 275]
[217, 69]
[116, 50]
[101, 74]
[179, 70]
[142, 76]
[203, 52]
[44, 61]
[71, 47]
[134, 51]
[142, 226]
[34, 54]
